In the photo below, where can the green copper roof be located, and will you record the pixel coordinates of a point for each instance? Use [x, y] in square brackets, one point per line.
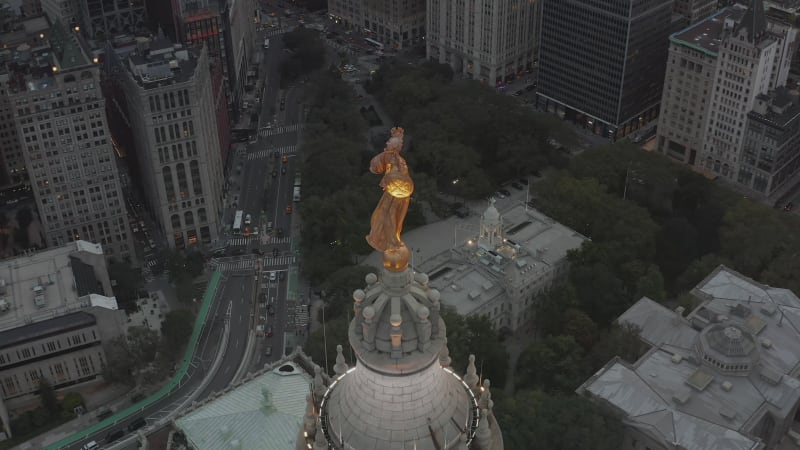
[68, 51]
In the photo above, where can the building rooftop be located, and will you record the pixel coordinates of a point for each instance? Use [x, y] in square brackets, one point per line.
[273, 400]
[157, 61]
[48, 284]
[778, 107]
[710, 376]
[41, 330]
[36, 50]
[534, 243]
[706, 35]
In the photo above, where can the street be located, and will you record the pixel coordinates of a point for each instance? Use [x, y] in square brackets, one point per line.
[266, 183]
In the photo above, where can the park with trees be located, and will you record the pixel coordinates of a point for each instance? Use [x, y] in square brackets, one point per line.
[656, 229]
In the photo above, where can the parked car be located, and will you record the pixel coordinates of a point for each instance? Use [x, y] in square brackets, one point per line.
[114, 436]
[517, 186]
[282, 276]
[271, 310]
[268, 333]
[499, 194]
[268, 351]
[505, 192]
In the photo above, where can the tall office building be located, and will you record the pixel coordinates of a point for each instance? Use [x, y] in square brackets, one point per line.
[24, 33]
[100, 19]
[170, 109]
[488, 40]
[601, 64]
[54, 88]
[395, 23]
[717, 69]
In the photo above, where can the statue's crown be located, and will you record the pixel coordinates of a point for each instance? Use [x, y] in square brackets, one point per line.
[397, 132]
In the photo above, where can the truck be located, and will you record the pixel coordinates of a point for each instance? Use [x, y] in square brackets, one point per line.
[296, 196]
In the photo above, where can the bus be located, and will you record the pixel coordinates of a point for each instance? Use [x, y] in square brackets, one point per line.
[237, 221]
[374, 43]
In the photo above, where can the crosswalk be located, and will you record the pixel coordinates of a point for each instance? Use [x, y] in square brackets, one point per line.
[233, 266]
[264, 131]
[301, 315]
[271, 261]
[241, 240]
[267, 152]
[273, 33]
[281, 240]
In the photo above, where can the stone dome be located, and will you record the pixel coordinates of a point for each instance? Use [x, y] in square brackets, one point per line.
[728, 347]
[398, 395]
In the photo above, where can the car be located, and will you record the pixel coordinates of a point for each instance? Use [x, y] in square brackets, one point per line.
[239, 251]
[269, 331]
[499, 194]
[152, 244]
[271, 310]
[282, 276]
[274, 173]
[523, 181]
[218, 253]
[283, 105]
[283, 170]
[537, 174]
[275, 154]
[789, 206]
[505, 192]
[247, 219]
[273, 276]
[136, 424]
[114, 436]
[517, 186]
[262, 297]
[285, 159]
[531, 204]
[90, 446]
[104, 414]
[257, 251]
[274, 252]
[268, 351]
[279, 231]
[289, 209]
[530, 87]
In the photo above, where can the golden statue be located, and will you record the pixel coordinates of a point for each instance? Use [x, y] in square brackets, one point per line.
[387, 220]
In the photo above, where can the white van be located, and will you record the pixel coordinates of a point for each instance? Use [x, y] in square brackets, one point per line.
[247, 219]
[90, 446]
[266, 43]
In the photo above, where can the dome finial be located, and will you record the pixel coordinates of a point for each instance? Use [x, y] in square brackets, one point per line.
[484, 436]
[341, 366]
[471, 378]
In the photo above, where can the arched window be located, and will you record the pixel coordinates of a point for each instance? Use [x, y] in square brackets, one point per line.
[176, 221]
[188, 217]
[197, 184]
[169, 186]
[183, 184]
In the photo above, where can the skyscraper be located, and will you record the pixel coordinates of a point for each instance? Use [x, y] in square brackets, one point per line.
[59, 111]
[601, 63]
[169, 98]
[694, 10]
[717, 69]
[485, 40]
